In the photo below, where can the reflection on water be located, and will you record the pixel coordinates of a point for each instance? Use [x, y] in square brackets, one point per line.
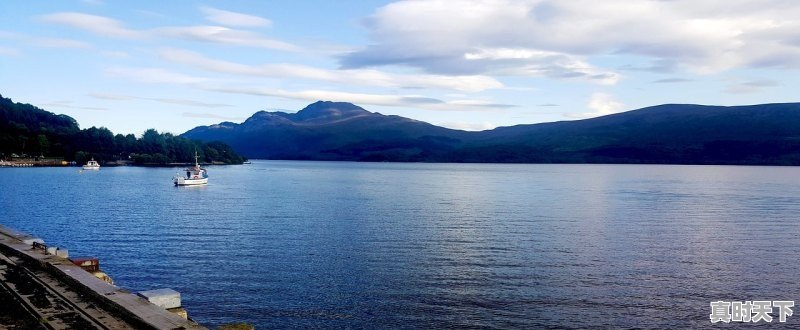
[314, 244]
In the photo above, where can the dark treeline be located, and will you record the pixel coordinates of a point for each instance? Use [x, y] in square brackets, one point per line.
[28, 130]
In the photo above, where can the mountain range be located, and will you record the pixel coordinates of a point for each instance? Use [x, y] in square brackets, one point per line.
[767, 134]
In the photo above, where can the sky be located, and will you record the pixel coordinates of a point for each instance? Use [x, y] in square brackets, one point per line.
[472, 65]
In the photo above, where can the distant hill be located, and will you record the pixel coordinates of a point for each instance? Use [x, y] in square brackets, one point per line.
[330, 131]
[767, 134]
[26, 128]
[28, 131]
[671, 133]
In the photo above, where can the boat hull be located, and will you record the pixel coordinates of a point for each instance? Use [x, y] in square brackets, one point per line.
[91, 167]
[190, 182]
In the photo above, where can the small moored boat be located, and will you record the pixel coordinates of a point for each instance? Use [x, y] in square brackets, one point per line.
[194, 175]
[91, 165]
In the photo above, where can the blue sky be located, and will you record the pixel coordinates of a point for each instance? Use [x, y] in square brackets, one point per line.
[133, 65]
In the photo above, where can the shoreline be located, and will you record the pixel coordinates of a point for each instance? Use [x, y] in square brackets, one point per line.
[523, 163]
[20, 164]
[90, 302]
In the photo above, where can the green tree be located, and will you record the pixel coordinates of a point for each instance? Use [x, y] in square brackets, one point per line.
[81, 157]
[152, 142]
[41, 145]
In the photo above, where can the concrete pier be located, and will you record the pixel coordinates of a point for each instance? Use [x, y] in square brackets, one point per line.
[57, 294]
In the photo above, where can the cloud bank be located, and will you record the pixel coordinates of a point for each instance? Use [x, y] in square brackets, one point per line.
[554, 38]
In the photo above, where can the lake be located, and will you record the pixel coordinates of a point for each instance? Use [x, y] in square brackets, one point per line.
[282, 244]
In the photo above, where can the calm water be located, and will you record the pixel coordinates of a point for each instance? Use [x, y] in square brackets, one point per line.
[314, 244]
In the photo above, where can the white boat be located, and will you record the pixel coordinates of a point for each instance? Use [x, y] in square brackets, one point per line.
[91, 165]
[194, 175]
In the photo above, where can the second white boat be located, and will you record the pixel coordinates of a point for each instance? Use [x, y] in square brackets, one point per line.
[194, 175]
[91, 165]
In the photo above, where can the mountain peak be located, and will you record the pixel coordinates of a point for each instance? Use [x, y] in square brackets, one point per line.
[329, 110]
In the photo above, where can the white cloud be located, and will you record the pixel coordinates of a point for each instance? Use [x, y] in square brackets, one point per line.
[44, 41]
[155, 75]
[99, 25]
[671, 81]
[193, 103]
[162, 76]
[150, 14]
[114, 53]
[750, 86]
[230, 18]
[211, 116]
[365, 77]
[6, 51]
[10, 35]
[414, 101]
[223, 35]
[70, 105]
[113, 97]
[531, 62]
[314, 95]
[467, 103]
[468, 126]
[109, 27]
[702, 36]
[60, 43]
[602, 104]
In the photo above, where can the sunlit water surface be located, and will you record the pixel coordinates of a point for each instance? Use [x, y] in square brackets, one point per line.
[362, 245]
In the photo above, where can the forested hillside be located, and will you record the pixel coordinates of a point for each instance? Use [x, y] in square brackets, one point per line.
[26, 130]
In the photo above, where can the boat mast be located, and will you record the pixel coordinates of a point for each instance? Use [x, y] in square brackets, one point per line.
[195, 159]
